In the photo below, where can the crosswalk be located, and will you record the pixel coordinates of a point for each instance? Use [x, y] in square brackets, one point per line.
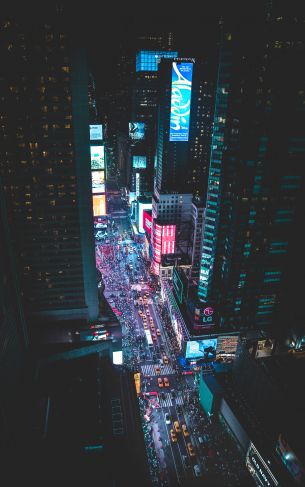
[168, 401]
[149, 369]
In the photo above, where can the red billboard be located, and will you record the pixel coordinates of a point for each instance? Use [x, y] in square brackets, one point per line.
[147, 222]
[168, 239]
[163, 242]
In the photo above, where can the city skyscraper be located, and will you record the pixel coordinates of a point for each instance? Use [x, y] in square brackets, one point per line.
[45, 167]
[256, 175]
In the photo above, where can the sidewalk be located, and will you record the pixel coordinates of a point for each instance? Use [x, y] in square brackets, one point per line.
[158, 444]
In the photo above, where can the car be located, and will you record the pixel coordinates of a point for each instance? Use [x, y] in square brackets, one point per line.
[158, 332]
[147, 312]
[190, 449]
[167, 418]
[152, 327]
[157, 370]
[177, 427]
[165, 359]
[154, 337]
[145, 326]
[140, 312]
[173, 436]
[184, 430]
[186, 461]
[197, 470]
[160, 382]
[166, 382]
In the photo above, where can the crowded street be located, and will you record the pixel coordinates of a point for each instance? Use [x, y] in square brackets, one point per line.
[183, 444]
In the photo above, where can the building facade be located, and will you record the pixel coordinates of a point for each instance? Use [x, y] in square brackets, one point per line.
[45, 166]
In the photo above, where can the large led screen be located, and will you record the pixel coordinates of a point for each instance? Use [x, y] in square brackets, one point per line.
[96, 132]
[99, 204]
[139, 162]
[136, 130]
[201, 348]
[97, 157]
[147, 222]
[182, 74]
[98, 181]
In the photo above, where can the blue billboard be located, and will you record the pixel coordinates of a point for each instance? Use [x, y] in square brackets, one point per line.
[182, 74]
[139, 162]
[149, 60]
[136, 130]
[201, 348]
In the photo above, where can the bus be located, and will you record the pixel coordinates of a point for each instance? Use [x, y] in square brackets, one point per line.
[148, 338]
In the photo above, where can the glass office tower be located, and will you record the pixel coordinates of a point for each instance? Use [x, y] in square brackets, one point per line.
[256, 176]
[45, 166]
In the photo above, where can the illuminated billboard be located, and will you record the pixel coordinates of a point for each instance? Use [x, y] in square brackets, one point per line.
[99, 204]
[168, 239]
[178, 286]
[139, 162]
[259, 469]
[98, 181]
[227, 345]
[201, 348]
[149, 60]
[147, 222]
[96, 132]
[97, 157]
[136, 130]
[264, 348]
[140, 216]
[290, 460]
[182, 74]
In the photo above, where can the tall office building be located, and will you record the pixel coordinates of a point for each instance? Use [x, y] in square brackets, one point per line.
[45, 166]
[250, 243]
[14, 345]
[150, 51]
[184, 125]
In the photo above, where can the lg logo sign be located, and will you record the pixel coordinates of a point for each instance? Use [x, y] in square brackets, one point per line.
[208, 311]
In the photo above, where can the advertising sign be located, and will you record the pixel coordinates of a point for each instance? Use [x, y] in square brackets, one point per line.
[147, 222]
[117, 357]
[97, 157]
[99, 205]
[201, 348]
[142, 207]
[259, 468]
[137, 184]
[168, 239]
[182, 74]
[96, 132]
[137, 379]
[139, 162]
[264, 348]
[227, 345]
[137, 130]
[98, 181]
[178, 286]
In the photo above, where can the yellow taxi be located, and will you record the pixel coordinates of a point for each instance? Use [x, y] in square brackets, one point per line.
[177, 427]
[184, 430]
[157, 370]
[190, 449]
[145, 326]
[160, 382]
[173, 436]
[166, 382]
[165, 359]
